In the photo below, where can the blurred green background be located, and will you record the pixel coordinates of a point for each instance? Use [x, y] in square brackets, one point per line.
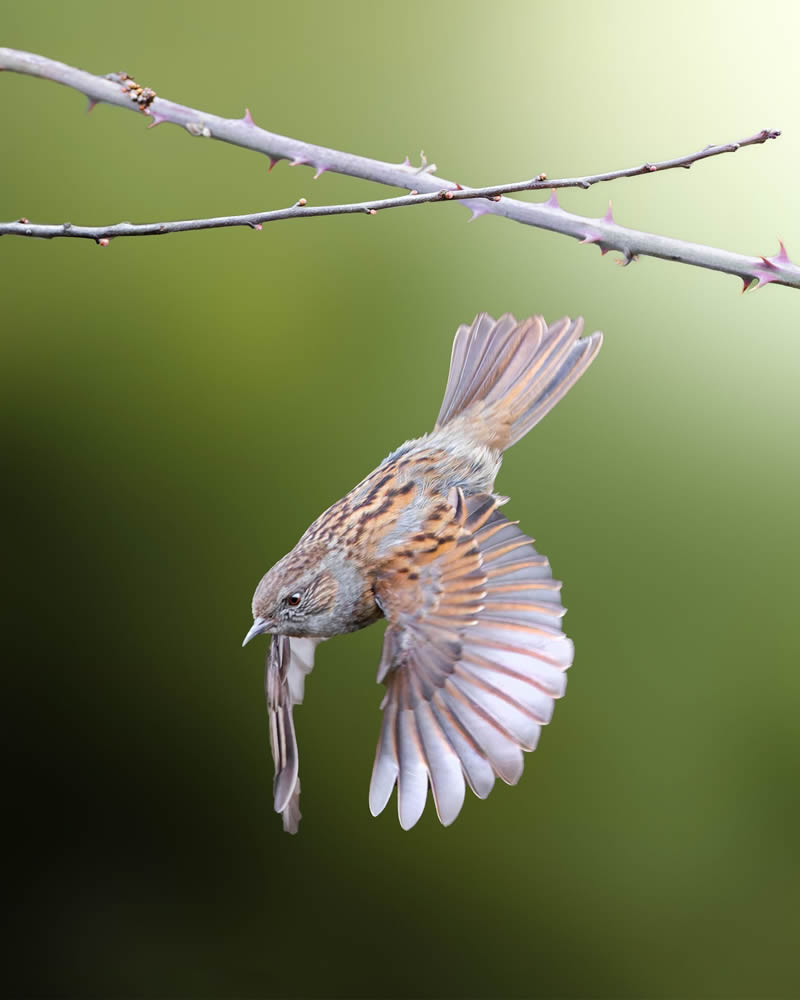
[176, 411]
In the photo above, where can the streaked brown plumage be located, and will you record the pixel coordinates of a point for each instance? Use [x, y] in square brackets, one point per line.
[473, 654]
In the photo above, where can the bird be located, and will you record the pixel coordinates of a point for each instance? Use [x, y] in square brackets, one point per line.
[474, 654]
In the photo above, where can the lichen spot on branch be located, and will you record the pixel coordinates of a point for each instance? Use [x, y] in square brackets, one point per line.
[139, 95]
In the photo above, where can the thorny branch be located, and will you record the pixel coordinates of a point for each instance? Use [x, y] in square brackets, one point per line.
[121, 90]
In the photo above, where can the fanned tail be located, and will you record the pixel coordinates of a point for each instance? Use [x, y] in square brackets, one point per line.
[505, 376]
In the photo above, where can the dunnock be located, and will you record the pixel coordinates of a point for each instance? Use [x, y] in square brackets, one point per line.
[473, 654]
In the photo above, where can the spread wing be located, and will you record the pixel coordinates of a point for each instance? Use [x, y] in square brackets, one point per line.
[473, 658]
[288, 662]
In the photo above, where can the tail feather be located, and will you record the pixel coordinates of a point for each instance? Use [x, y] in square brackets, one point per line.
[474, 360]
[505, 376]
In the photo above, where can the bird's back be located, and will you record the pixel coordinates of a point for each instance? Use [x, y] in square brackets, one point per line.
[399, 497]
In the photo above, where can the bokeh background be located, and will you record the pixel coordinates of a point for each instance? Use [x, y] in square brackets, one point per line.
[176, 411]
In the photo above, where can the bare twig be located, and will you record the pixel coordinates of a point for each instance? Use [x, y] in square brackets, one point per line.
[542, 182]
[301, 210]
[121, 90]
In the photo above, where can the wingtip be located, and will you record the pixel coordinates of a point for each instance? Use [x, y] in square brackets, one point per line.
[449, 812]
[380, 791]
[376, 806]
[407, 822]
[285, 785]
[291, 814]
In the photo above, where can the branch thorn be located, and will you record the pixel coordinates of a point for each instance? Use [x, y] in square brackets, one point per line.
[552, 201]
[272, 161]
[247, 118]
[781, 257]
[92, 104]
[593, 237]
[609, 216]
[477, 212]
[764, 279]
[320, 171]
[770, 267]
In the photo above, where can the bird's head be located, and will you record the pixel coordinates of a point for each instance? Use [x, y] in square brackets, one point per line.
[298, 596]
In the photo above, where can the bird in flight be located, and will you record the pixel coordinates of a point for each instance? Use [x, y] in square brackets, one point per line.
[474, 653]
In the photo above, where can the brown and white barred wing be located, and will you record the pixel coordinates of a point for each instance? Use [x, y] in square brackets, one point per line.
[473, 658]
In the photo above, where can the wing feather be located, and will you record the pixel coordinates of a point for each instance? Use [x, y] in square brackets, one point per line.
[288, 662]
[473, 658]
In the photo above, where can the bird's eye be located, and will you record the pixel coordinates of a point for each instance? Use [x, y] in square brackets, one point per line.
[294, 599]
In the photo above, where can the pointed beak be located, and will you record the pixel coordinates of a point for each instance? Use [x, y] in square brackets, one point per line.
[260, 626]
